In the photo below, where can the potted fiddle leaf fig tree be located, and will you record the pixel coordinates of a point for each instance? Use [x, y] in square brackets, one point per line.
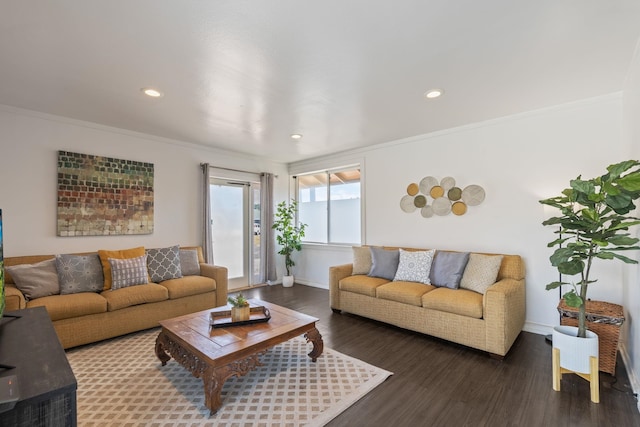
[594, 219]
[594, 216]
[289, 236]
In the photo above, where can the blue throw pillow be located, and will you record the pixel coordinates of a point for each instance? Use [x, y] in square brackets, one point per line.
[384, 263]
[447, 269]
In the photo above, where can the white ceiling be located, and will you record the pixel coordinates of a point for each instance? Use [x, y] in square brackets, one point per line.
[244, 75]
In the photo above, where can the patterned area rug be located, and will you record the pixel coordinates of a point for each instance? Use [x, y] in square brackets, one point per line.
[122, 383]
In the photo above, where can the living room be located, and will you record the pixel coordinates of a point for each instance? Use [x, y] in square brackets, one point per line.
[518, 157]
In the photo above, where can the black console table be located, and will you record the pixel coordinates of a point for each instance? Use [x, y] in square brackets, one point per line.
[47, 386]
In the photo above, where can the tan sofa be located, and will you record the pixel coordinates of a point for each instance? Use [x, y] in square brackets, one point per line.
[489, 322]
[87, 317]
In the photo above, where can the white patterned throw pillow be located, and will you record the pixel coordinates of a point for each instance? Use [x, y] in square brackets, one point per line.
[414, 266]
[481, 272]
[128, 272]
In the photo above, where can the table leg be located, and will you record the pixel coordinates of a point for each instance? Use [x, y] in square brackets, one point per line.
[161, 344]
[214, 378]
[314, 336]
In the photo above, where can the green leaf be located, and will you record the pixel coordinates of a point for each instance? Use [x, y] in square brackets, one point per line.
[619, 202]
[572, 299]
[618, 169]
[623, 240]
[625, 259]
[630, 182]
[561, 255]
[585, 187]
[572, 267]
[610, 189]
[554, 285]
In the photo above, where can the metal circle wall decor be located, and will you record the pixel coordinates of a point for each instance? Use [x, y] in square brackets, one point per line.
[407, 204]
[440, 197]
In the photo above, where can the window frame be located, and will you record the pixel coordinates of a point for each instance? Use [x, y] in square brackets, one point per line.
[332, 170]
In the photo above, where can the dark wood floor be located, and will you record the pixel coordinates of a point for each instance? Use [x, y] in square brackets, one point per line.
[437, 383]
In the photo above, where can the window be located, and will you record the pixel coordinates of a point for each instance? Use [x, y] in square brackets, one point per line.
[329, 203]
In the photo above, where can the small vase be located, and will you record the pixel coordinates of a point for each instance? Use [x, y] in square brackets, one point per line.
[239, 314]
[287, 281]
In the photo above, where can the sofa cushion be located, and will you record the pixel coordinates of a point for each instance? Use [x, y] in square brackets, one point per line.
[364, 285]
[134, 295]
[361, 260]
[414, 266]
[71, 305]
[456, 301]
[189, 285]
[79, 273]
[384, 263]
[481, 272]
[120, 254]
[36, 280]
[404, 292]
[128, 272]
[447, 268]
[164, 263]
[189, 264]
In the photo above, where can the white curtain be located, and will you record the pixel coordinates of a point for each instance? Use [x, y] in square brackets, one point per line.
[267, 239]
[207, 238]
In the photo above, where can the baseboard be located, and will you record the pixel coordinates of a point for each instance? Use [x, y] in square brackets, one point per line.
[311, 284]
[537, 328]
[633, 378]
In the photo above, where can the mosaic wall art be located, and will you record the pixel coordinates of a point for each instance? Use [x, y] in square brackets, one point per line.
[103, 196]
[433, 197]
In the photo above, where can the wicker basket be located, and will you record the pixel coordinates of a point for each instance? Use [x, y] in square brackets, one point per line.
[604, 319]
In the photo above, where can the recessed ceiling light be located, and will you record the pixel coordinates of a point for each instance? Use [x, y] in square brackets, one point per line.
[296, 136]
[433, 93]
[154, 93]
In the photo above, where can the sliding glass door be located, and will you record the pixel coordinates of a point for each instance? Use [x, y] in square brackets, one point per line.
[236, 229]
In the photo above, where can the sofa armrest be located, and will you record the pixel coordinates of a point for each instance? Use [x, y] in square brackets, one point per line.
[337, 273]
[13, 298]
[220, 275]
[504, 312]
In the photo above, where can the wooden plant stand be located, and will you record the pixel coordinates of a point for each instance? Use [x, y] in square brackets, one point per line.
[592, 376]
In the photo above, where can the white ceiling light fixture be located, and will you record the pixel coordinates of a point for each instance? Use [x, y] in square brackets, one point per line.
[434, 93]
[151, 92]
[296, 136]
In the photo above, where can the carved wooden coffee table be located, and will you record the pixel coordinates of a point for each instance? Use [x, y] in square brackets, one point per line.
[216, 354]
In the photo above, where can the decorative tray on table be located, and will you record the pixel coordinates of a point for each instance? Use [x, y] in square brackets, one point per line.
[222, 317]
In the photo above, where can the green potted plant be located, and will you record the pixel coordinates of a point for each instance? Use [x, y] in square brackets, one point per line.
[594, 219]
[289, 236]
[240, 310]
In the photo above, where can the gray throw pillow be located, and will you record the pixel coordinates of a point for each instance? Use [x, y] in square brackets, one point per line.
[189, 263]
[79, 273]
[36, 280]
[447, 269]
[481, 272]
[128, 272]
[384, 263]
[361, 260]
[164, 263]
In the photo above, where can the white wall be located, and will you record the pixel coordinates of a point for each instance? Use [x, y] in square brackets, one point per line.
[29, 143]
[518, 160]
[631, 291]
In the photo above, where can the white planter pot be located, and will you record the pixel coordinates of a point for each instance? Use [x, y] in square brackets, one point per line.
[287, 281]
[575, 353]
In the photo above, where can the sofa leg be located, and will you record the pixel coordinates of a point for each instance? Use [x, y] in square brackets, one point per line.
[335, 310]
[496, 357]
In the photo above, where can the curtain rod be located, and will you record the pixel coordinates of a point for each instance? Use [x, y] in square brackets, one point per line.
[234, 170]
